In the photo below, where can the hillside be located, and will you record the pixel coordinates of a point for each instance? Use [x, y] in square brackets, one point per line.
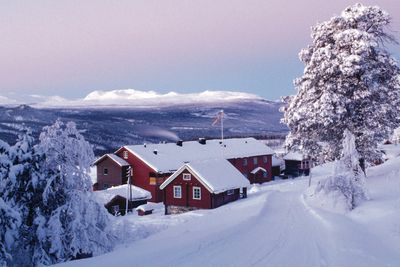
[110, 127]
[276, 225]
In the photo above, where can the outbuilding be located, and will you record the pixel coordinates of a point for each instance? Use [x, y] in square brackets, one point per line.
[204, 184]
[296, 164]
[114, 198]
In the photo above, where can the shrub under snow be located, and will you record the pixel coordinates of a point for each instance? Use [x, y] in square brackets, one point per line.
[345, 189]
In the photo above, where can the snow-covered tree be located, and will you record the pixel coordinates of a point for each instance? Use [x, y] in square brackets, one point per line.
[27, 194]
[9, 217]
[20, 175]
[347, 184]
[70, 223]
[350, 81]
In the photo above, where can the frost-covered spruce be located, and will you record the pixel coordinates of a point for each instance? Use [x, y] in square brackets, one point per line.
[347, 184]
[27, 195]
[71, 224]
[9, 217]
[20, 178]
[349, 81]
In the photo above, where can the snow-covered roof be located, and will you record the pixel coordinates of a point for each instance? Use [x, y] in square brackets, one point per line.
[257, 170]
[170, 156]
[217, 175]
[277, 161]
[121, 162]
[104, 196]
[294, 156]
[146, 207]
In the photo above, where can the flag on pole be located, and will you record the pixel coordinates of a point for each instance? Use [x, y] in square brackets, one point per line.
[218, 117]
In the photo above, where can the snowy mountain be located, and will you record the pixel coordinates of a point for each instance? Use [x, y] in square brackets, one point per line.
[132, 98]
[279, 224]
[112, 126]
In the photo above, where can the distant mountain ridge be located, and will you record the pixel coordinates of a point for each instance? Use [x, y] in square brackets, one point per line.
[133, 98]
[108, 128]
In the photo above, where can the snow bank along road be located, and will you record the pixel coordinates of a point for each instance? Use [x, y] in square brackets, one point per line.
[273, 227]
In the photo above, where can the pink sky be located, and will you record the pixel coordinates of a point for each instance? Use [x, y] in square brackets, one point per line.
[70, 48]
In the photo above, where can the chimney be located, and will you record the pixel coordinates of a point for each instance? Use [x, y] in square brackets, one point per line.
[202, 140]
[179, 143]
[155, 151]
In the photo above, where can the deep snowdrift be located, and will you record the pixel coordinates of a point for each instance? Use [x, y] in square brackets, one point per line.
[276, 225]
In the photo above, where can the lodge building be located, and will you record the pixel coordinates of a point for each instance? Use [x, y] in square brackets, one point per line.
[151, 165]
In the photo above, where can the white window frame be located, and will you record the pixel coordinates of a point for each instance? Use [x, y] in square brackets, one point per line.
[180, 191]
[230, 192]
[187, 177]
[194, 189]
[125, 154]
[105, 171]
[255, 161]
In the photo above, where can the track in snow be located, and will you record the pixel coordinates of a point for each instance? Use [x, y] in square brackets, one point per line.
[270, 228]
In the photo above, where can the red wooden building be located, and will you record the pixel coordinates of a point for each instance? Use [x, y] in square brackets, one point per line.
[111, 171]
[152, 164]
[203, 185]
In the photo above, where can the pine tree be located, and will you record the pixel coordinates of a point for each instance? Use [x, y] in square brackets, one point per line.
[19, 177]
[9, 217]
[27, 195]
[71, 224]
[350, 82]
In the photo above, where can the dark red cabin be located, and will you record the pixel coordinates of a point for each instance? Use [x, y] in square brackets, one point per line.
[203, 185]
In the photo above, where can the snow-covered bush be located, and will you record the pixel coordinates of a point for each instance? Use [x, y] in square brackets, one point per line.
[396, 136]
[350, 81]
[347, 184]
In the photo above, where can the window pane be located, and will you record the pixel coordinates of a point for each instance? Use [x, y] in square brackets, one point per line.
[196, 193]
[177, 192]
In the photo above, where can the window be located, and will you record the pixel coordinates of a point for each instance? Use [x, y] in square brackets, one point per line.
[105, 186]
[255, 160]
[304, 165]
[265, 159]
[177, 191]
[105, 171]
[125, 154]
[265, 174]
[152, 180]
[187, 176]
[244, 162]
[196, 192]
[230, 192]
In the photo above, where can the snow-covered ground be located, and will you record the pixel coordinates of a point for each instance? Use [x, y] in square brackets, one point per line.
[277, 225]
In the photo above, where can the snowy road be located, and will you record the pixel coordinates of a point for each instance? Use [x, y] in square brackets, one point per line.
[273, 227]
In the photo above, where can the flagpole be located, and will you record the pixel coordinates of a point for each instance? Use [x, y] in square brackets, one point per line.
[222, 125]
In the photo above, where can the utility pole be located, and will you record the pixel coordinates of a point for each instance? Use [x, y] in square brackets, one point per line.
[129, 189]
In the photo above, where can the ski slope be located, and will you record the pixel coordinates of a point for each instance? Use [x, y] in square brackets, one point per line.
[276, 225]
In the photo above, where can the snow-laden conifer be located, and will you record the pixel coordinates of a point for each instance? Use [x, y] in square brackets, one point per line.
[347, 184]
[71, 224]
[9, 216]
[350, 81]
